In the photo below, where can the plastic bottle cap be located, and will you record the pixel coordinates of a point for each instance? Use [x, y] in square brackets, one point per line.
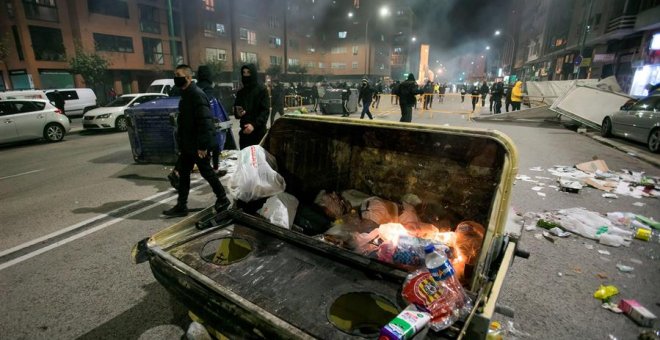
[429, 248]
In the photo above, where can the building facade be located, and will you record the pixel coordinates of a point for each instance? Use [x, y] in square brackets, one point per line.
[144, 39]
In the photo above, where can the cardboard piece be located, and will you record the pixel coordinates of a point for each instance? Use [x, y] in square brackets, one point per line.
[593, 166]
[637, 312]
[601, 185]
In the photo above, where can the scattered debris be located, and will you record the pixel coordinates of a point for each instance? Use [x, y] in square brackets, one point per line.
[593, 166]
[624, 269]
[637, 312]
[570, 186]
[539, 236]
[547, 236]
[602, 276]
[603, 252]
[536, 168]
[636, 261]
[604, 293]
[560, 274]
[608, 195]
[530, 227]
[632, 154]
[577, 270]
[612, 307]
[537, 188]
[517, 332]
[605, 259]
[558, 232]
[540, 194]
[589, 246]
[639, 204]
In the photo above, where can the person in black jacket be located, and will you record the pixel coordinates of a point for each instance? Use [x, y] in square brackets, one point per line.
[315, 97]
[366, 95]
[484, 92]
[195, 137]
[345, 97]
[251, 107]
[496, 96]
[407, 92]
[204, 82]
[475, 94]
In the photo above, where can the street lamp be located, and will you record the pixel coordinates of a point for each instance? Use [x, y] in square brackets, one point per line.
[350, 14]
[487, 48]
[414, 39]
[498, 33]
[382, 12]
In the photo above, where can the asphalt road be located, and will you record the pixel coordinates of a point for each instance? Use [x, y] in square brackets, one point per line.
[82, 284]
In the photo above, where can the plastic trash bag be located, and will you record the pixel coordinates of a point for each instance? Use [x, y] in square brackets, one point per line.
[379, 210]
[280, 210]
[333, 205]
[256, 175]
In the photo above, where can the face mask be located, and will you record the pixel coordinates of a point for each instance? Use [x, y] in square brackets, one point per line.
[246, 79]
[180, 81]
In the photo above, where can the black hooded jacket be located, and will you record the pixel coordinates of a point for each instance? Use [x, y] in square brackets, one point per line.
[253, 97]
[407, 91]
[195, 129]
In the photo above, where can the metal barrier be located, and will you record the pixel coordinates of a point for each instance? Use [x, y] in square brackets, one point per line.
[293, 101]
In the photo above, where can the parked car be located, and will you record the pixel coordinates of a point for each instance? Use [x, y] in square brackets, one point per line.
[639, 122]
[25, 119]
[112, 115]
[76, 101]
[23, 94]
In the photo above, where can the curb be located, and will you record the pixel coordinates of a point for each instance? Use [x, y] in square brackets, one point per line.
[643, 155]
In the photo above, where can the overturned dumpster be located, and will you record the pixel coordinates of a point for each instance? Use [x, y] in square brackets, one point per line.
[248, 278]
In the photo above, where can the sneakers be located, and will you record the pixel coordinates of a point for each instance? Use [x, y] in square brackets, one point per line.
[221, 204]
[176, 211]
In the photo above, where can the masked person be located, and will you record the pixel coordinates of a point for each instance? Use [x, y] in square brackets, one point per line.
[407, 92]
[251, 107]
[195, 137]
[365, 97]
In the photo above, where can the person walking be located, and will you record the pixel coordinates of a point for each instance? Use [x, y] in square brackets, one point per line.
[58, 101]
[406, 92]
[315, 98]
[378, 90]
[365, 97]
[463, 92]
[345, 96]
[276, 100]
[516, 95]
[441, 93]
[394, 88]
[428, 95]
[251, 107]
[484, 92]
[496, 96]
[204, 82]
[475, 94]
[507, 97]
[195, 137]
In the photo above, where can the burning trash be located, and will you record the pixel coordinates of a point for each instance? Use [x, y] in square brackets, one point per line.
[396, 234]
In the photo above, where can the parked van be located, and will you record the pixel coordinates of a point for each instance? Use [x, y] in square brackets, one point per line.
[76, 101]
[161, 86]
[23, 94]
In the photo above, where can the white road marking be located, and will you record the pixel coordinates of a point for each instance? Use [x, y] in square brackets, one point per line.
[84, 233]
[87, 222]
[21, 174]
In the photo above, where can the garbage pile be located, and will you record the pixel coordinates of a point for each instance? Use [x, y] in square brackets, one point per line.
[612, 229]
[596, 174]
[421, 238]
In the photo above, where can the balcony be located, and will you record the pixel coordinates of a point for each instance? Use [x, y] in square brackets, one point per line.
[621, 24]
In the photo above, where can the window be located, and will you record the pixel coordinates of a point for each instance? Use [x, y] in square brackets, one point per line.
[220, 29]
[115, 8]
[153, 51]
[176, 50]
[338, 50]
[149, 19]
[209, 5]
[646, 104]
[275, 60]
[213, 29]
[321, 65]
[250, 36]
[398, 50]
[10, 9]
[216, 54]
[113, 43]
[273, 22]
[310, 64]
[342, 34]
[338, 66]
[40, 9]
[354, 65]
[47, 43]
[294, 62]
[274, 42]
[355, 50]
[248, 57]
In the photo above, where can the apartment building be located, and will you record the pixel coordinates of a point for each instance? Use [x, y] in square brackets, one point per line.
[563, 39]
[145, 39]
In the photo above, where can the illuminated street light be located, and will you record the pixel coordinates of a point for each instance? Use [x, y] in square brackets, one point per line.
[497, 32]
[414, 39]
[487, 48]
[350, 14]
[384, 11]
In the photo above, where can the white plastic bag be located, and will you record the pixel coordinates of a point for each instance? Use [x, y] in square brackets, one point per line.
[280, 210]
[255, 177]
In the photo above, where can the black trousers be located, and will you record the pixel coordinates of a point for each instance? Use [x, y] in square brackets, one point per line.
[515, 106]
[185, 165]
[406, 113]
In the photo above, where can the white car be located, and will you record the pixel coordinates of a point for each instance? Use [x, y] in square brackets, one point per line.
[112, 115]
[25, 119]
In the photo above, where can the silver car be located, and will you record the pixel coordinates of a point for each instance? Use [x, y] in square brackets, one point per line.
[639, 122]
[25, 119]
